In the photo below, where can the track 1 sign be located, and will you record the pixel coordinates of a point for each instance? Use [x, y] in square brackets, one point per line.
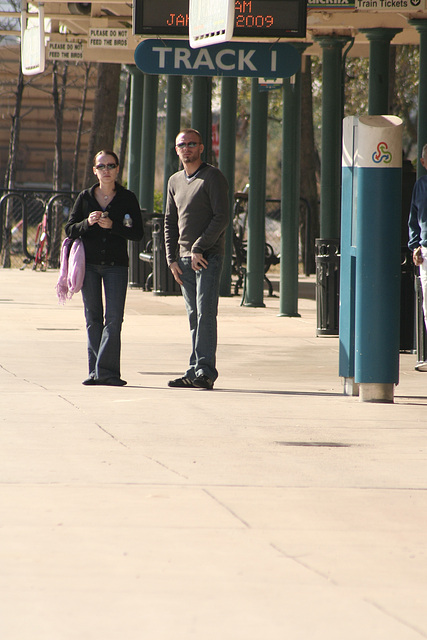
[176, 57]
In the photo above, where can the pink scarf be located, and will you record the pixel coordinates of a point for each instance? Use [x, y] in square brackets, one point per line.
[71, 270]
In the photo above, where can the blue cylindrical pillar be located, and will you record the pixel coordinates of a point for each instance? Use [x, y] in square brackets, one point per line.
[377, 315]
[348, 257]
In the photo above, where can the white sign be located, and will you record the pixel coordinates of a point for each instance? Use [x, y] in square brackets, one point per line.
[103, 38]
[32, 41]
[71, 51]
[210, 22]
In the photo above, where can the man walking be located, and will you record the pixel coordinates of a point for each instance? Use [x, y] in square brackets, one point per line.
[196, 217]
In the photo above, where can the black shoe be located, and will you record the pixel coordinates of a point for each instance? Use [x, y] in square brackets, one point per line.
[181, 383]
[89, 381]
[203, 382]
[111, 382]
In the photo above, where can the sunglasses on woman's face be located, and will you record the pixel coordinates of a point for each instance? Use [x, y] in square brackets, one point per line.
[110, 166]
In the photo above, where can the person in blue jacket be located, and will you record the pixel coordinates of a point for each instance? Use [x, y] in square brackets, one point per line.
[417, 243]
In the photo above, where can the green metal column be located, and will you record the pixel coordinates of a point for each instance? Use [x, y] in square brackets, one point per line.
[135, 127]
[291, 132]
[379, 64]
[227, 161]
[173, 125]
[134, 165]
[332, 112]
[421, 27]
[148, 148]
[256, 202]
[201, 116]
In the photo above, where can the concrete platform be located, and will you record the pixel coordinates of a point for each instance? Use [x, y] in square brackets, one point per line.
[271, 508]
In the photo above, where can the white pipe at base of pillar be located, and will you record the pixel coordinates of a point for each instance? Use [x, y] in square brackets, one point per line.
[376, 392]
[351, 388]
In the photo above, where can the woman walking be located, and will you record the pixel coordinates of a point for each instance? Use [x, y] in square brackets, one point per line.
[105, 217]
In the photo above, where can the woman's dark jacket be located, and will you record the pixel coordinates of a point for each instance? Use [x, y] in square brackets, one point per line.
[106, 246]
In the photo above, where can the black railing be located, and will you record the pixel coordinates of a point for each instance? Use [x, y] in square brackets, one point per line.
[21, 211]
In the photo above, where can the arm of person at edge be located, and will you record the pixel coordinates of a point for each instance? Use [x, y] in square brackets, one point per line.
[415, 231]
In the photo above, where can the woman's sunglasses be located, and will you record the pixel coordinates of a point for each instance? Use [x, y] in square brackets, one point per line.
[110, 166]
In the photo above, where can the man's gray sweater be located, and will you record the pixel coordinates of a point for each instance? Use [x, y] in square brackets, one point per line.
[197, 213]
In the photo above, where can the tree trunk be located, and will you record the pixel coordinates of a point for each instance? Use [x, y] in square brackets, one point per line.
[309, 210]
[124, 130]
[104, 115]
[9, 182]
[74, 176]
[58, 105]
[56, 222]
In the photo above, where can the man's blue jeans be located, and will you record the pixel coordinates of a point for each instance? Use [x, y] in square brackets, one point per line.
[200, 290]
[103, 333]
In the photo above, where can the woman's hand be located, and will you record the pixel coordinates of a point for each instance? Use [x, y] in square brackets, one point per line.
[101, 218]
[105, 222]
[93, 218]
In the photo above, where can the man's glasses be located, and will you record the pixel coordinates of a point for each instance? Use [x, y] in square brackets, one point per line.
[190, 145]
[110, 166]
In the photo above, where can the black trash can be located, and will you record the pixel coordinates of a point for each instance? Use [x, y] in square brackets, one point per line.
[139, 271]
[163, 281]
[327, 286]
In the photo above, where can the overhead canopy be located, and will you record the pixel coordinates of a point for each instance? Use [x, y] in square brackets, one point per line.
[101, 31]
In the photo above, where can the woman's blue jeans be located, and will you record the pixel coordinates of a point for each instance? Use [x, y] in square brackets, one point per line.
[200, 290]
[104, 332]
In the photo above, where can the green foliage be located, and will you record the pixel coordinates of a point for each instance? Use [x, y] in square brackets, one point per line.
[405, 103]
[356, 86]
[158, 202]
[403, 89]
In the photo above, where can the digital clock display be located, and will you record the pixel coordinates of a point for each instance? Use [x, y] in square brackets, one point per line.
[253, 18]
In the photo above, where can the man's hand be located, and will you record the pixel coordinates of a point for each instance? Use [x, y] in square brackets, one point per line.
[198, 262]
[176, 271]
[417, 257]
